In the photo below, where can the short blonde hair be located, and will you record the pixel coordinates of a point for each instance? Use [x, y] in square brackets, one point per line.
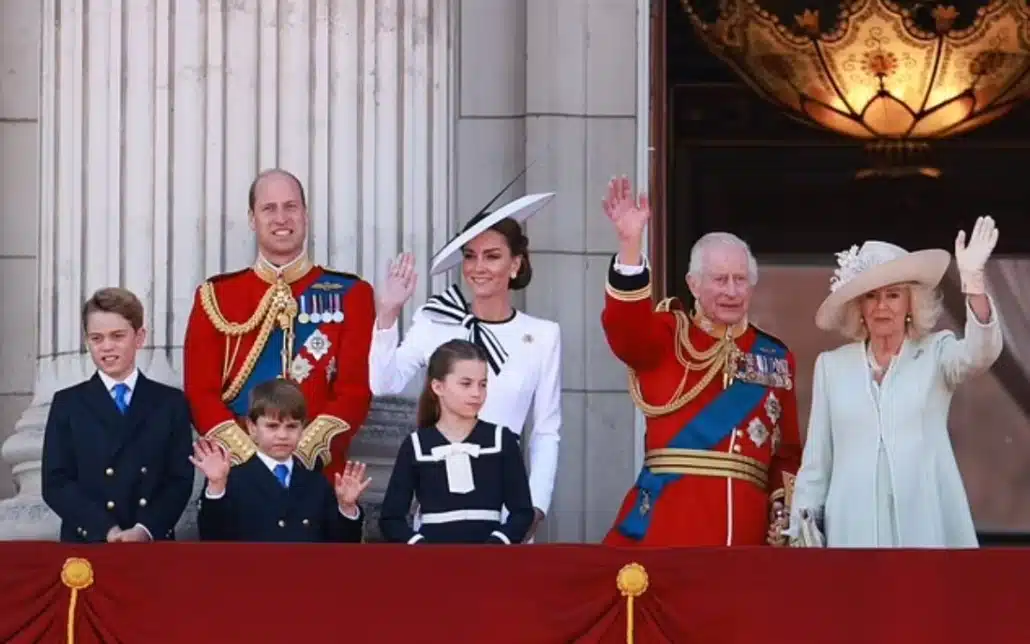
[924, 307]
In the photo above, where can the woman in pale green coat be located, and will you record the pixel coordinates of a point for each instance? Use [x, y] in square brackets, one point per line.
[878, 468]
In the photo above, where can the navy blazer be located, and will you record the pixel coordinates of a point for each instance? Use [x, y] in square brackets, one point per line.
[102, 469]
[255, 507]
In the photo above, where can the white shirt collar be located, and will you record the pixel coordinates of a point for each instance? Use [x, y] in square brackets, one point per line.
[130, 380]
[279, 270]
[270, 463]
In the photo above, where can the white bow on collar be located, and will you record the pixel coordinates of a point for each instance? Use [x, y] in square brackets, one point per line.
[458, 459]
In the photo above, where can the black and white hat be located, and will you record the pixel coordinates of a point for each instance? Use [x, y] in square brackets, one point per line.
[520, 210]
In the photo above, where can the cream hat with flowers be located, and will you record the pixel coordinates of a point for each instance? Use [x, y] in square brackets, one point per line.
[875, 265]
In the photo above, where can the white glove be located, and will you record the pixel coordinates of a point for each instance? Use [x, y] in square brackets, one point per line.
[972, 259]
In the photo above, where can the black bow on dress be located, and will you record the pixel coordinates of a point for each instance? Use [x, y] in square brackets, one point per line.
[450, 307]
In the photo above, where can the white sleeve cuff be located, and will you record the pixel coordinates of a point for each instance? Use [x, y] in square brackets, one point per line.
[627, 270]
[388, 336]
[144, 529]
[415, 539]
[500, 535]
[352, 517]
[208, 495]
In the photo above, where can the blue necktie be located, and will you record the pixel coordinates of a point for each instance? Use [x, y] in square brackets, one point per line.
[121, 392]
[281, 472]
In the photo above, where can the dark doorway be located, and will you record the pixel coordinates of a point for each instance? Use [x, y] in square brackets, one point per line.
[733, 162]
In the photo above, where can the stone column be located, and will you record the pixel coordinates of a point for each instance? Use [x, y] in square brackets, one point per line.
[156, 115]
[582, 119]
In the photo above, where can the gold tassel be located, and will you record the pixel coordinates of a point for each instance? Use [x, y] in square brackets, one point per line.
[77, 574]
[631, 582]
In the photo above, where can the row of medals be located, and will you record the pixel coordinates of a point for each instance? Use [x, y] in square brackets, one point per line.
[324, 308]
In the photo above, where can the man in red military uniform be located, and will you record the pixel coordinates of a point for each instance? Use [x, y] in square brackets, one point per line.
[282, 317]
[722, 442]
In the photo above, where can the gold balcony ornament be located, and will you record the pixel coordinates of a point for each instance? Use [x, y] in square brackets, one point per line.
[894, 72]
[632, 582]
[77, 575]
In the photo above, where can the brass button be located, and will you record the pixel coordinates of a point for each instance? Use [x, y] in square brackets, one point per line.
[142, 503]
[143, 470]
[84, 533]
[282, 524]
[79, 530]
[305, 522]
[736, 448]
[109, 471]
[110, 505]
[740, 434]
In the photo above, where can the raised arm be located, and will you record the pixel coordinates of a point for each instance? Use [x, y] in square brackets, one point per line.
[813, 480]
[203, 355]
[392, 363]
[545, 437]
[977, 350]
[329, 434]
[982, 343]
[516, 494]
[637, 334]
[61, 489]
[214, 520]
[338, 526]
[393, 519]
[633, 329]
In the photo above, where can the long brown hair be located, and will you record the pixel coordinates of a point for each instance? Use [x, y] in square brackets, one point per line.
[441, 364]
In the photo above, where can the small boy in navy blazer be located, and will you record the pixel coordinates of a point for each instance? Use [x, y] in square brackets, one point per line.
[272, 496]
[116, 447]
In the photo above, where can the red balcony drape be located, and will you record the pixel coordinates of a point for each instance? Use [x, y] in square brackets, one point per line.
[199, 593]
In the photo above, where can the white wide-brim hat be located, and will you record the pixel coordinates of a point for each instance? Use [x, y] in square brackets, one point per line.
[520, 210]
[876, 265]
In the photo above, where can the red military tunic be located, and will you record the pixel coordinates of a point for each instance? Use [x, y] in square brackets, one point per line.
[310, 325]
[714, 464]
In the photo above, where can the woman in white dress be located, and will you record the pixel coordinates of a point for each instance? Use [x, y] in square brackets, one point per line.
[878, 468]
[524, 352]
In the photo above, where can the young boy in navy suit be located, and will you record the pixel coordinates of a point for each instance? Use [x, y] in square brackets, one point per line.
[116, 447]
[271, 496]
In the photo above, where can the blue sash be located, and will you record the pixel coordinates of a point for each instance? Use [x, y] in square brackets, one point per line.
[704, 431]
[269, 364]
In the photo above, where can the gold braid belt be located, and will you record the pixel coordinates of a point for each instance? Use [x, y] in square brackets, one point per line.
[719, 358]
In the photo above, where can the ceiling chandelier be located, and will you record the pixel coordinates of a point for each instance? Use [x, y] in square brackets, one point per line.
[896, 73]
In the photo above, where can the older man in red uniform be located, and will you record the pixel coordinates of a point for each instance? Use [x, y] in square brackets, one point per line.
[283, 317]
[722, 442]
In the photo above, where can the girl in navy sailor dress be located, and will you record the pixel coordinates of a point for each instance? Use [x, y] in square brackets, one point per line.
[461, 470]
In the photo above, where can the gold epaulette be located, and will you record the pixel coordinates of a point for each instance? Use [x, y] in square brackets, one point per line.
[235, 441]
[277, 307]
[317, 437]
